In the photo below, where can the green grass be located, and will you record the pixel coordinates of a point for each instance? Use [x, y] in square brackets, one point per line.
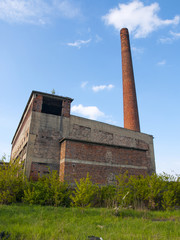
[40, 223]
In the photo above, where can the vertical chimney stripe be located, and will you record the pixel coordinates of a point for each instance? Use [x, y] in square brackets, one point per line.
[131, 116]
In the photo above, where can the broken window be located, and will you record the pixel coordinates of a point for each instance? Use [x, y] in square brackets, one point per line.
[52, 106]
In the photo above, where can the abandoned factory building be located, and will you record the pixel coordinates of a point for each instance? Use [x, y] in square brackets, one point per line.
[48, 137]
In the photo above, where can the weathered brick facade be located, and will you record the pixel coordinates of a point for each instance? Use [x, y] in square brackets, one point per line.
[102, 161]
[73, 146]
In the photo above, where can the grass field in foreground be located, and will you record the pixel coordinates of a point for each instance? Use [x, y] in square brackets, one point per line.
[40, 223]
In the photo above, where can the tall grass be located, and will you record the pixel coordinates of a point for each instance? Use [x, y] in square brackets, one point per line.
[51, 223]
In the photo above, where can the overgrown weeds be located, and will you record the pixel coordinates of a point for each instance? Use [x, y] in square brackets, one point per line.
[155, 192]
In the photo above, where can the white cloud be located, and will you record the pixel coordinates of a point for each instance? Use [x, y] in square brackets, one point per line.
[166, 40]
[161, 63]
[98, 38]
[79, 43]
[91, 112]
[23, 11]
[35, 11]
[102, 87]
[139, 19]
[137, 50]
[83, 84]
[66, 8]
[173, 36]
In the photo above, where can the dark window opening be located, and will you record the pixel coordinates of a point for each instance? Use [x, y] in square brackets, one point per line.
[52, 106]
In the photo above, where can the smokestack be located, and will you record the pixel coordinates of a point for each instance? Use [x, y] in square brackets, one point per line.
[131, 117]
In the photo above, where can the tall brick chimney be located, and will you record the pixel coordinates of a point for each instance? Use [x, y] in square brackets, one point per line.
[131, 117]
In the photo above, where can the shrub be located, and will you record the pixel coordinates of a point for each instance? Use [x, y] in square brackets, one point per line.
[171, 195]
[154, 192]
[139, 191]
[48, 190]
[157, 186]
[124, 191]
[107, 196]
[85, 193]
[12, 182]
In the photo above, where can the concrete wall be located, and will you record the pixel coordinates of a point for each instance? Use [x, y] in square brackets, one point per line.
[21, 137]
[36, 140]
[43, 145]
[94, 131]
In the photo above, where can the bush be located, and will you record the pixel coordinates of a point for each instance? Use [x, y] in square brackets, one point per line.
[124, 191]
[171, 195]
[85, 193]
[154, 192]
[107, 196]
[48, 190]
[12, 182]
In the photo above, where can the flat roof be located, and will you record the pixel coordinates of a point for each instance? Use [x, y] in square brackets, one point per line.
[51, 95]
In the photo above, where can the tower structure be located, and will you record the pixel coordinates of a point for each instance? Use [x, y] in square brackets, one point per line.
[131, 116]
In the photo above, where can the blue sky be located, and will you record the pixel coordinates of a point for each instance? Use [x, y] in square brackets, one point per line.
[74, 47]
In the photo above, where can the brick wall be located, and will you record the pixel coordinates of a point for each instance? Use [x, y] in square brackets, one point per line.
[131, 117]
[37, 103]
[99, 174]
[39, 169]
[66, 108]
[102, 161]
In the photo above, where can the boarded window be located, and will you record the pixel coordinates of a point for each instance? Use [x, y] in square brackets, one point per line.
[52, 106]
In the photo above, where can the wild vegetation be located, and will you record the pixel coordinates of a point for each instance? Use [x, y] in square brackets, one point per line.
[35, 222]
[155, 192]
[27, 209]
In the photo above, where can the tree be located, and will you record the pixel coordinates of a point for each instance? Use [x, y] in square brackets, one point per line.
[53, 91]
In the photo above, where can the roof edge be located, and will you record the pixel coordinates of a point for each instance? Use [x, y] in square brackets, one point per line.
[52, 95]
